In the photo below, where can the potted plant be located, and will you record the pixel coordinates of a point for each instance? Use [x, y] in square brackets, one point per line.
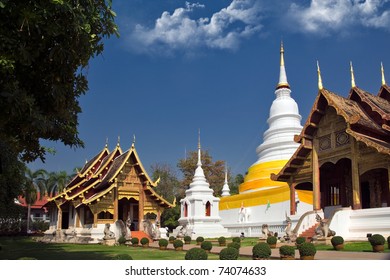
[229, 253]
[199, 240]
[187, 239]
[178, 244]
[171, 239]
[287, 252]
[271, 240]
[307, 251]
[144, 242]
[300, 240]
[196, 254]
[206, 245]
[222, 241]
[163, 243]
[135, 241]
[261, 251]
[337, 242]
[377, 242]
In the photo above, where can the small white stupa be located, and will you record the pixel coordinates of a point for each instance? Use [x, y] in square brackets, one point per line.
[200, 208]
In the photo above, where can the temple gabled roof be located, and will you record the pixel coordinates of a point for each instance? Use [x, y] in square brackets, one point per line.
[360, 112]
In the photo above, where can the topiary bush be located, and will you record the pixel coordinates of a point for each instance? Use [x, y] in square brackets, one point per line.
[377, 239]
[196, 254]
[271, 240]
[187, 239]
[135, 241]
[307, 249]
[300, 240]
[177, 243]
[199, 240]
[261, 251]
[171, 239]
[144, 241]
[162, 242]
[235, 245]
[206, 245]
[222, 241]
[122, 240]
[337, 240]
[286, 250]
[122, 257]
[236, 239]
[229, 253]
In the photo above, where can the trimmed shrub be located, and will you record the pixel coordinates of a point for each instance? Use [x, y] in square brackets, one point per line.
[206, 245]
[377, 239]
[199, 239]
[236, 239]
[222, 240]
[122, 257]
[196, 254]
[307, 249]
[286, 250]
[300, 240]
[144, 240]
[271, 240]
[235, 245]
[229, 253]
[171, 239]
[261, 251]
[135, 241]
[337, 240]
[187, 239]
[122, 240]
[177, 243]
[162, 242]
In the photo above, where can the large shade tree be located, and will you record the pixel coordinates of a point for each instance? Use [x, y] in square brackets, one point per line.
[45, 45]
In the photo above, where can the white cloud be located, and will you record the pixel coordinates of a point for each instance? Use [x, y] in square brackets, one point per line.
[327, 16]
[177, 31]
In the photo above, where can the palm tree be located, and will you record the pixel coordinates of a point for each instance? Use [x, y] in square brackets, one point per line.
[33, 189]
[55, 182]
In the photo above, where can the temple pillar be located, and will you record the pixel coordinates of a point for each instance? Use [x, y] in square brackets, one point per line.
[316, 178]
[141, 206]
[293, 205]
[116, 209]
[95, 218]
[356, 202]
[77, 216]
[59, 217]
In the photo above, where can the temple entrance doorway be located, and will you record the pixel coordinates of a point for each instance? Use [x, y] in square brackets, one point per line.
[129, 208]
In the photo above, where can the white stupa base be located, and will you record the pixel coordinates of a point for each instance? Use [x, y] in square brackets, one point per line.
[204, 229]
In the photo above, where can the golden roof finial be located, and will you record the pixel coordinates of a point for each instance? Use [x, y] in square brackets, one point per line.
[320, 87]
[383, 75]
[106, 142]
[352, 75]
[281, 54]
[133, 140]
[119, 140]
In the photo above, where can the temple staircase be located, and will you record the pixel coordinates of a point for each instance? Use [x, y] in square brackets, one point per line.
[309, 233]
[140, 235]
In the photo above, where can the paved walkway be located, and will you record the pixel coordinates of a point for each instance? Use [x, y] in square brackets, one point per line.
[320, 255]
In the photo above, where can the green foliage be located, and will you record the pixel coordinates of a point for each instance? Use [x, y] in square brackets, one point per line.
[162, 242]
[307, 249]
[206, 245]
[187, 239]
[377, 239]
[222, 240]
[236, 239]
[168, 183]
[44, 48]
[144, 240]
[134, 240]
[177, 243]
[196, 254]
[337, 240]
[172, 238]
[199, 239]
[271, 240]
[261, 251]
[286, 250]
[234, 245]
[300, 240]
[229, 253]
[170, 217]
[122, 257]
[122, 240]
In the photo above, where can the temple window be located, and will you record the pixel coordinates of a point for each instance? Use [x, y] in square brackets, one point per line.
[185, 210]
[208, 209]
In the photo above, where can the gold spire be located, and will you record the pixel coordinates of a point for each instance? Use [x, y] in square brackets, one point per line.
[281, 54]
[119, 140]
[320, 87]
[352, 75]
[106, 142]
[133, 140]
[383, 75]
[282, 74]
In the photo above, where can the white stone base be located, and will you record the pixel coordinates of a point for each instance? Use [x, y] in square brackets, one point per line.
[206, 230]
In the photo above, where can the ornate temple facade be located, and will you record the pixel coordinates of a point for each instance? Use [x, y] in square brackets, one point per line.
[112, 188]
[344, 159]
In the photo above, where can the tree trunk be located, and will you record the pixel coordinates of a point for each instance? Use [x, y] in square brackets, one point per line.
[28, 217]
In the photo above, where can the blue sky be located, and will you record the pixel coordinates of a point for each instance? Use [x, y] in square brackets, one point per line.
[181, 66]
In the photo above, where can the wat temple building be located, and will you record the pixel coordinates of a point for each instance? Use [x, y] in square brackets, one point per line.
[261, 199]
[112, 190]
